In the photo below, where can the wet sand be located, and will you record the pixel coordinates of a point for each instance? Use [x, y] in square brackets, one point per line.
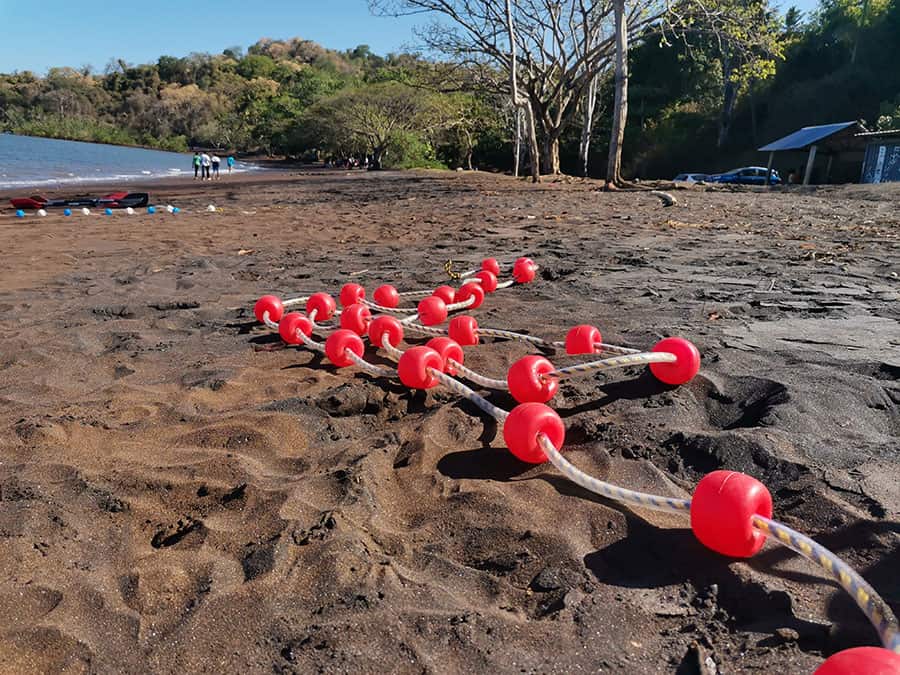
[178, 493]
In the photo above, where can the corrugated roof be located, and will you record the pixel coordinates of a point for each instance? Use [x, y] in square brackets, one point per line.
[805, 137]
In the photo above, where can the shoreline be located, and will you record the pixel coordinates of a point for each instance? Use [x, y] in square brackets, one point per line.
[88, 183]
[164, 185]
[176, 166]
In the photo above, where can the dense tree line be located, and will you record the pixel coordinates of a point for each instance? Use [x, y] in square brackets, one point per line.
[703, 88]
[839, 65]
[290, 97]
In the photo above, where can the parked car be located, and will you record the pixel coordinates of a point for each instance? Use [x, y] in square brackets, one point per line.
[747, 175]
[691, 177]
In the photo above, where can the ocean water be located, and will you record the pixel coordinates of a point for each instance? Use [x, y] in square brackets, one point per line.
[33, 162]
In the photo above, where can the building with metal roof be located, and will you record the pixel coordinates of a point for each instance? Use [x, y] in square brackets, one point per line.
[882, 161]
[827, 139]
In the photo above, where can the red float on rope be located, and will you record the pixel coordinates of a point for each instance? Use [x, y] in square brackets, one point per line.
[522, 426]
[685, 367]
[464, 330]
[386, 296]
[488, 281]
[323, 304]
[414, 367]
[385, 325]
[339, 342]
[445, 293]
[467, 291]
[526, 381]
[721, 510]
[491, 265]
[272, 305]
[524, 270]
[290, 324]
[583, 339]
[861, 661]
[448, 349]
[351, 294]
[356, 317]
[432, 310]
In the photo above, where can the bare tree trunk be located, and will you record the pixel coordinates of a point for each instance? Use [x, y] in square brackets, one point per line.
[620, 102]
[533, 152]
[550, 153]
[518, 103]
[584, 148]
[378, 156]
[729, 98]
[517, 150]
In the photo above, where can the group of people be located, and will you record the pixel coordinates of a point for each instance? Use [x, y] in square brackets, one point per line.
[206, 167]
[348, 163]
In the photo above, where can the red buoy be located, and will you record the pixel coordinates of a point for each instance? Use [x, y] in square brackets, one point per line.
[339, 342]
[272, 305]
[583, 339]
[356, 317]
[524, 270]
[521, 429]
[684, 368]
[467, 291]
[291, 324]
[323, 304]
[464, 330]
[351, 293]
[386, 296]
[861, 660]
[448, 349]
[721, 509]
[488, 281]
[432, 310]
[445, 293]
[385, 325]
[526, 381]
[491, 265]
[413, 367]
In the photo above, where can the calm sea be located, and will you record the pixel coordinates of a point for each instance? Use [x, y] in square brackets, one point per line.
[33, 162]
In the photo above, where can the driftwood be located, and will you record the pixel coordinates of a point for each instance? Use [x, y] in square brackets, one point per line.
[665, 197]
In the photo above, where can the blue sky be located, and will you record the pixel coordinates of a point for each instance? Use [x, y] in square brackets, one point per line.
[38, 34]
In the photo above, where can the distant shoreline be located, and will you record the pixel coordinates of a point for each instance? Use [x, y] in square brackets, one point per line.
[134, 181]
[164, 188]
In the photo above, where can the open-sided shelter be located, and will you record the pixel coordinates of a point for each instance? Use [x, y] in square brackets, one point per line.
[827, 139]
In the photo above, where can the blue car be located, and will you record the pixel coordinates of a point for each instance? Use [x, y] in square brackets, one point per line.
[748, 175]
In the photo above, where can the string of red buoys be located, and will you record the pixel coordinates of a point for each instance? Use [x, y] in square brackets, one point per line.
[730, 512]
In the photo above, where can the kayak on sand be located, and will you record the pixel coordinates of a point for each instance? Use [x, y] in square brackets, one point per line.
[116, 200]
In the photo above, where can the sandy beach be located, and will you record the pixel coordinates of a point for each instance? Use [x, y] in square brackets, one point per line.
[181, 493]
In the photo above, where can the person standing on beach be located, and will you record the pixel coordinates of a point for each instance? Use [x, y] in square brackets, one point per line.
[196, 164]
[230, 162]
[215, 166]
[205, 162]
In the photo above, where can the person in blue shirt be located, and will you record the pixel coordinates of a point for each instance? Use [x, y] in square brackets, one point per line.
[230, 162]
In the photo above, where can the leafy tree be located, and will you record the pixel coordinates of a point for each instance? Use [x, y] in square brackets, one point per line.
[373, 119]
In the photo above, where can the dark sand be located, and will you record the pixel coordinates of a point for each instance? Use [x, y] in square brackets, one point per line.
[179, 494]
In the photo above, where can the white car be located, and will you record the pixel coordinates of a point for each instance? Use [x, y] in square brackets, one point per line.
[691, 177]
